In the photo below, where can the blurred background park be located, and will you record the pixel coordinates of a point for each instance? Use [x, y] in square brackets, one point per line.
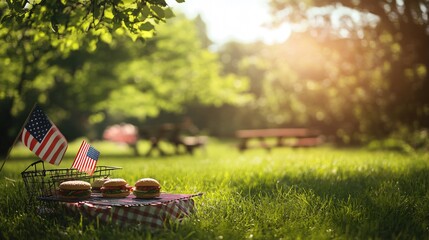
[356, 70]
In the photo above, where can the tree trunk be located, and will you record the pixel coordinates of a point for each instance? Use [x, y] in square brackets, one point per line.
[7, 128]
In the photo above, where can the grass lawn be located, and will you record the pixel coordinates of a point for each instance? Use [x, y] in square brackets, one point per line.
[314, 193]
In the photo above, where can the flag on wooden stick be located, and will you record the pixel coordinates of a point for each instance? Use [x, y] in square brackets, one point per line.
[43, 138]
[86, 158]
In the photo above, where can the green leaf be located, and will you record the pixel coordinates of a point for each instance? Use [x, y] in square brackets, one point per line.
[145, 13]
[169, 13]
[158, 2]
[108, 13]
[146, 26]
[106, 37]
[158, 11]
[180, 1]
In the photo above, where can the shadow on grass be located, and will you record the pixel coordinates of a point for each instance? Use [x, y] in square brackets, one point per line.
[379, 204]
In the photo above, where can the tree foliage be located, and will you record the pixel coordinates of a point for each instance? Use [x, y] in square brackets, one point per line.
[359, 68]
[135, 80]
[34, 33]
[63, 22]
[77, 57]
[177, 71]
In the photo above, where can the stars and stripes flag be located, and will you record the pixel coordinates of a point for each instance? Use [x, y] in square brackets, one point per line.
[86, 158]
[43, 138]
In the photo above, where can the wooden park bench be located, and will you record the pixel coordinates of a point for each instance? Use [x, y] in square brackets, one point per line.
[285, 137]
[173, 134]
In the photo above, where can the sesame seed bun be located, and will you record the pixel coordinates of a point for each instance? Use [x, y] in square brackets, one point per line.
[115, 182]
[147, 182]
[75, 185]
[98, 183]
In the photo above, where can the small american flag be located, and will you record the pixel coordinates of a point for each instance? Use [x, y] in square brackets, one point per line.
[43, 138]
[86, 158]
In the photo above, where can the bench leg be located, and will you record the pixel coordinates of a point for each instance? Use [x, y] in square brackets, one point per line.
[135, 149]
[280, 142]
[190, 149]
[155, 145]
[242, 145]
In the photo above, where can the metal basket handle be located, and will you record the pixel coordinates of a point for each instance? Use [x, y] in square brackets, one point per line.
[35, 166]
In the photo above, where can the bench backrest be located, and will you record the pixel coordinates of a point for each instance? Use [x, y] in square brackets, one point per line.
[276, 132]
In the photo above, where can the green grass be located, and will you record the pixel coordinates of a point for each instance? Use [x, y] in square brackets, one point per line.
[314, 193]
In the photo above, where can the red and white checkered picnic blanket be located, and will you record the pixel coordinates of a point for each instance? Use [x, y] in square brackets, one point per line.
[153, 213]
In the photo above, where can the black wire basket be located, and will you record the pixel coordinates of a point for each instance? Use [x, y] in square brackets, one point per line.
[42, 184]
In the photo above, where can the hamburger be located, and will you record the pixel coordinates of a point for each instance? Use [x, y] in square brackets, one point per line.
[98, 183]
[147, 188]
[115, 188]
[74, 190]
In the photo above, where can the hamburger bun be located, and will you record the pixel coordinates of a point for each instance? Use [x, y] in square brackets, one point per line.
[147, 188]
[75, 185]
[114, 182]
[75, 189]
[115, 188]
[98, 183]
[141, 195]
